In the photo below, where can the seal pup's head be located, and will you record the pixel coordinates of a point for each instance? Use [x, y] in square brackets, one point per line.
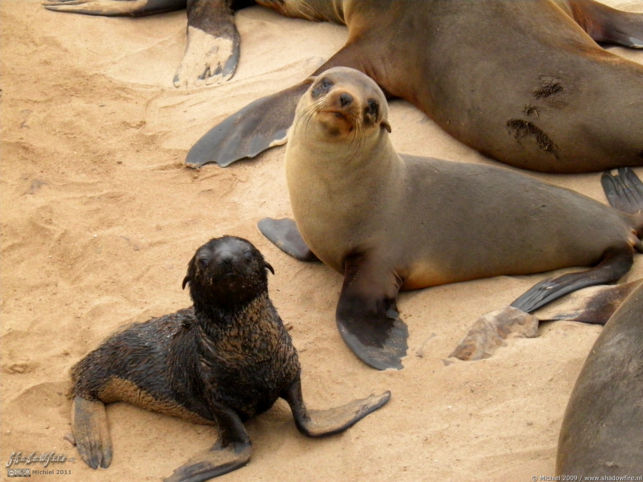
[226, 272]
[342, 104]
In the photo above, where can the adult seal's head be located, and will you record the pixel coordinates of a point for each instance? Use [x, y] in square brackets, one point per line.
[341, 106]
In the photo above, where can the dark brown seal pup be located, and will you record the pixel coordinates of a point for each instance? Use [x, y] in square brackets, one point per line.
[519, 81]
[212, 49]
[222, 361]
[602, 431]
[391, 222]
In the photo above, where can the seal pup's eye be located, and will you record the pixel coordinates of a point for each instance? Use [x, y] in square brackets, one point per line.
[203, 261]
[322, 87]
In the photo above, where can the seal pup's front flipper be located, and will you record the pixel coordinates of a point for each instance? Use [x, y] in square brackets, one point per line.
[367, 316]
[212, 49]
[319, 423]
[114, 8]
[606, 24]
[284, 234]
[232, 450]
[91, 432]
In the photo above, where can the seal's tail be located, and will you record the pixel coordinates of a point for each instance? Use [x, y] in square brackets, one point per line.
[624, 191]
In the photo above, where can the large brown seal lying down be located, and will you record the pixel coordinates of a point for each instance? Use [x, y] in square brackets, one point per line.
[221, 361]
[523, 82]
[602, 431]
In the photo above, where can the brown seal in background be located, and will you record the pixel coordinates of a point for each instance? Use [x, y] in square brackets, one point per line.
[602, 432]
[523, 82]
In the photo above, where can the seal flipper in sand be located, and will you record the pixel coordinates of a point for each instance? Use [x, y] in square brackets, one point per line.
[212, 48]
[536, 124]
[592, 305]
[606, 24]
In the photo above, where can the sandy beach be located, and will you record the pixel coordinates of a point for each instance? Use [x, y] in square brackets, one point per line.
[99, 218]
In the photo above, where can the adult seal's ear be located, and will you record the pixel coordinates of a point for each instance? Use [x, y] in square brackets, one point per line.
[186, 280]
[269, 267]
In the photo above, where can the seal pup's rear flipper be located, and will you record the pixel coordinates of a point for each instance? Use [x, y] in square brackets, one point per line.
[319, 423]
[232, 450]
[608, 25]
[91, 432]
[258, 126]
[284, 234]
[367, 316]
[212, 49]
[114, 8]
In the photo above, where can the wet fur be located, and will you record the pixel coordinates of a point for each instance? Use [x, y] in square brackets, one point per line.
[237, 352]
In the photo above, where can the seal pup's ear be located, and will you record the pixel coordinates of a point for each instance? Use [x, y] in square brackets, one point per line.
[269, 267]
[186, 280]
[386, 125]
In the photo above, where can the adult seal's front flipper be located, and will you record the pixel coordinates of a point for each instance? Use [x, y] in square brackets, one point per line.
[320, 423]
[257, 127]
[367, 316]
[114, 8]
[284, 234]
[212, 50]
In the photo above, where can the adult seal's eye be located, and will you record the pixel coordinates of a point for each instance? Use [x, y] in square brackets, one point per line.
[373, 108]
[322, 87]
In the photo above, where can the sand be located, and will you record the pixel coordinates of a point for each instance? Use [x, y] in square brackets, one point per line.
[100, 217]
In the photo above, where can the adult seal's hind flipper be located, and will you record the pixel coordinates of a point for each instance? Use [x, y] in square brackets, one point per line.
[114, 8]
[260, 125]
[623, 189]
[606, 24]
[212, 49]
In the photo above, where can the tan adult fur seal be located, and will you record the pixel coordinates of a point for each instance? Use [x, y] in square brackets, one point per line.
[523, 82]
[602, 431]
[391, 222]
